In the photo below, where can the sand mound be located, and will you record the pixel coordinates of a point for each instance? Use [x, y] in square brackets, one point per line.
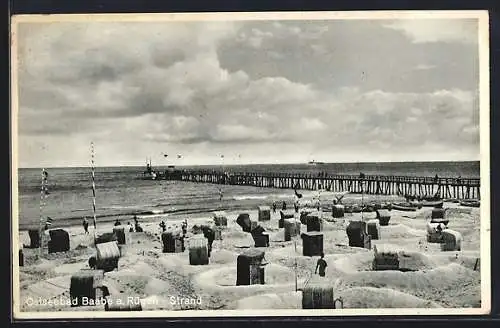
[223, 256]
[278, 236]
[353, 263]
[400, 231]
[139, 268]
[238, 234]
[465, 259]
[441, 285]
[172, 261]
[50, 288]
[156, 286]
[379, 298]
[243, 240]
[70, 268]
[459, 212]
[274, 274]
[290, 300]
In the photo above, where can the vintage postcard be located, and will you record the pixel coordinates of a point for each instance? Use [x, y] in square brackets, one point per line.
[250, 164]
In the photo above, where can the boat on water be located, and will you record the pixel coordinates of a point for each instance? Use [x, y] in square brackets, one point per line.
[313, 162]
[149, 174]
[470, 203]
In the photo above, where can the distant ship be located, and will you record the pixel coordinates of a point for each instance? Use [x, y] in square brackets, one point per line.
[315, 163]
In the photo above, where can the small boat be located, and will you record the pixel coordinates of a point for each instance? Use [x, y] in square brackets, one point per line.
[470, 203]
[428, 203]
[404, 207]
[313, 162]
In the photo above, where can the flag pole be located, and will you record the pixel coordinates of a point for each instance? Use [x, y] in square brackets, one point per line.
[362, 197]
[295, 246]
[93, 189]
[42, 204]
[223, 179]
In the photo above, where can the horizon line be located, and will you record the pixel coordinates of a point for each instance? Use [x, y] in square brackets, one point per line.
[245, 164]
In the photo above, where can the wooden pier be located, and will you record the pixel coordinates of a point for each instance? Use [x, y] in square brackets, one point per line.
[458, 188]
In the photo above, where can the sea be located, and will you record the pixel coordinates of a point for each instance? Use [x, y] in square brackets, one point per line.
[121, 192]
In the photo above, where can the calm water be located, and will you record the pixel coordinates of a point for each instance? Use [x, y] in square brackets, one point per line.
[121, 193]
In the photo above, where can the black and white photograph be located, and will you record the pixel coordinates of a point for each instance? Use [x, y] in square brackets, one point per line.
[250, 164]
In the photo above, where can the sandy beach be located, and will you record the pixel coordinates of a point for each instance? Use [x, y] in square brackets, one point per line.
[166, 281]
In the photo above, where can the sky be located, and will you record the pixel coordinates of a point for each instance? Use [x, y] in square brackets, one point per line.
[286, 91]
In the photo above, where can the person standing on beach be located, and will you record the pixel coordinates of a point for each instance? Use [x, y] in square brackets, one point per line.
[210, 235]
[163, 226]
[321, 265]
[283, 207]
[274, 207]
[184, 227]
[130, 227]
[86, 225]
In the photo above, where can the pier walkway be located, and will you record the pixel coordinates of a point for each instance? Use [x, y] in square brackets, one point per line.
[459, 188]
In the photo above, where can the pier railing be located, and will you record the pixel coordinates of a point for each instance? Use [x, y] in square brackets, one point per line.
[459, 188]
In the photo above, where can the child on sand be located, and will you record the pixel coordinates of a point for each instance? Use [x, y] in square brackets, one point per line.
[321, 264]
[130, 227]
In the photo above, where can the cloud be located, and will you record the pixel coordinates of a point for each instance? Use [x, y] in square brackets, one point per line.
[255, 37]
[423, 67]
[438, 30]
[135, 89]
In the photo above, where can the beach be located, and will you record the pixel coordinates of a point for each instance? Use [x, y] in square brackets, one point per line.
[167, 281]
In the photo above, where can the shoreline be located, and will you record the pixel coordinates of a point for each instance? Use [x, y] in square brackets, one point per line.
[248, 205]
